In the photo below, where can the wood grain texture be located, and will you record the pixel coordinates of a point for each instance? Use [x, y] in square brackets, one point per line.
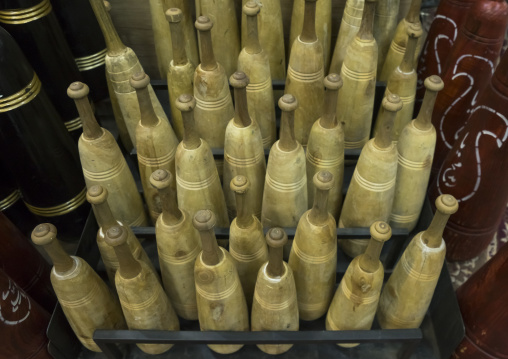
[355, 302]
[255, 62]
[178, 246]
[477, 183]
[355, 104]
[247, 244]
[349, 26]
[260, 95]
[305, 75]
[323, 26]
[325, 149]
[161, 36]
[221, 302]
[103, 163]
[188, 10]
[243, 156]
[97, 196]
[180, 81]
[145, 305]
[120, 69]
[23, 323]
[156, 145]
[385, 23]
[197, 178]
[313, 256]
[275, 306]
[285, 194]
[416, 151]
[467, 72]
[409, 290]
[271, 37]
[180, 75]
[214, 106]
[108, 253]
[132, 20]
[399, 41]
[403, 9]
[86, 301]
[162, 32]
[370, 194]
[402, 82]
[313, 259]
[305, 81]
[225, 33]
[121, 64]
[197, 182]
[156, 150]
[248, 251]
[416, 147]
[123, 133]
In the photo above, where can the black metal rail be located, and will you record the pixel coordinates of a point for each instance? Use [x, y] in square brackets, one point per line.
[106, 339]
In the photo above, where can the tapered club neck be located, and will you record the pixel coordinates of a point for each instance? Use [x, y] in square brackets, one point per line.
[204, 26]
[128, 266]
[252, 45]
[407, 64]
[414, 32]
[204, 221]
[323, 182]
[433, 85]
[239, 82]
[288, 105]
[380, 232]
[309, 22]
[114, 44]
[446, 205]
[45, 236]
[333, 83]
[276, 238]
[186, 103]
[98, 197]
[244, 215]
[140, 82]
[174, 16]
[367, 24]
[391, 104]
[171, 214]
[78, 91]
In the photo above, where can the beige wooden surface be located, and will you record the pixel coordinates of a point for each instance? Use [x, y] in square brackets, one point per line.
[133, 23]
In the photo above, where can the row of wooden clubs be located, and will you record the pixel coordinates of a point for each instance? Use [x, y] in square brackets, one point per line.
[204, 281]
